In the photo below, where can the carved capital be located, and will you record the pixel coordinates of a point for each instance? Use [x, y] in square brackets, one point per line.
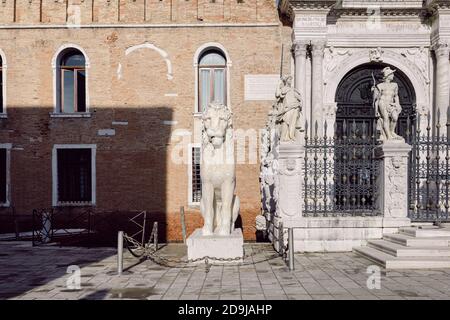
[441, 49]
[299, 48]
[318, 47]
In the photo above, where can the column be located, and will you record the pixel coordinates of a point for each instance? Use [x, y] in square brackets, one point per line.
[392, 183]
[300, 50]
[317, 83]
[442, 98]
[300, 70]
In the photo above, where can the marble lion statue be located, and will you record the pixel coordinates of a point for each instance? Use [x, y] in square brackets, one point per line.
[219, 205]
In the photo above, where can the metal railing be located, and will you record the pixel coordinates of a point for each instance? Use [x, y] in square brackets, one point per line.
[340, 172]
[429, 174]
[86, 227]
[53, 225]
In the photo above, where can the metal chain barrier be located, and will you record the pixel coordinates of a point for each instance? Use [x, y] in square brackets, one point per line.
[151, 253]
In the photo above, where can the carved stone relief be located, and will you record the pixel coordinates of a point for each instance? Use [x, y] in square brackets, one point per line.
[396, 176]
[332, 58]
[420, 57]
[375, 55]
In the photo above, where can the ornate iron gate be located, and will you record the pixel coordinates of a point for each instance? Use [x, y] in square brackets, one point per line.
[356, 168]
[429, 175]
[341, 171]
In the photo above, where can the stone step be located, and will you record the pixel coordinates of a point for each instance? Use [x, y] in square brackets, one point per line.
[399, 250]
[377, 256]
[390, 262]
[425, 231]
[411, 241]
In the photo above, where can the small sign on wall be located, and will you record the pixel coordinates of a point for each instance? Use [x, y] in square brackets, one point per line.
[261, 86]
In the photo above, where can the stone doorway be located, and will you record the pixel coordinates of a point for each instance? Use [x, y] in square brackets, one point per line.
[356, 135]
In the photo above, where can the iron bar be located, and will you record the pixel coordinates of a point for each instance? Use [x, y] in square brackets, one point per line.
[306, 189]
[120, 253]
[446, 163]
[428, 158]
[155, 235]
[325, 172]
[316, 143]
[183, 224]
[143, 228]
[437, 151]
[291, 248]
[280, 238]
[416, 146]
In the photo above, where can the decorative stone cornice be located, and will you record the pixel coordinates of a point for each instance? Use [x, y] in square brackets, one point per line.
[385, 12]
[437, 4]
[337, 9]
[287, 7]
[312, 4]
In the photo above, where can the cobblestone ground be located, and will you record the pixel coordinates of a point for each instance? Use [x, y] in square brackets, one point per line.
[41, 273]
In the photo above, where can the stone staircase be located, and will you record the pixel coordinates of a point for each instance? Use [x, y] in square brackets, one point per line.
[417, 247]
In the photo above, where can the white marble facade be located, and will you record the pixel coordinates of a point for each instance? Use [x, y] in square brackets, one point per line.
[330, 38]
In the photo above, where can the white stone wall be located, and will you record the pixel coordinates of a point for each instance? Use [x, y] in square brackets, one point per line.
[398, 34]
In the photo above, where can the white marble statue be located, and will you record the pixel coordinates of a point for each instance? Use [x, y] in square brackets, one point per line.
[387, 105]
[269, 139]
[267, 179]
[289, 107]
[219, 205]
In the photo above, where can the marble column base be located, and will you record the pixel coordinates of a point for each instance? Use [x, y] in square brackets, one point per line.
[216, 246]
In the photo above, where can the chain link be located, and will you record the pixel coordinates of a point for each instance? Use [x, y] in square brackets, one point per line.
[133, 241]
[151, 254]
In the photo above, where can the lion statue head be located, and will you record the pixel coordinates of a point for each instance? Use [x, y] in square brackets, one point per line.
[217, 123]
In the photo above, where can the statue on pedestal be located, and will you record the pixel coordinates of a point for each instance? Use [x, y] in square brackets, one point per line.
[289, 107]
[219, 205]
[387, 105]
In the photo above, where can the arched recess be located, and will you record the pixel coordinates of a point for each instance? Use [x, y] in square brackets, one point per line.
[397, 61]
[355, 167]
[198, 53]
[354, 99]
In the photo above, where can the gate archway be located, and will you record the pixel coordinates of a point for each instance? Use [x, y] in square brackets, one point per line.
[355, 103]
[355, 170]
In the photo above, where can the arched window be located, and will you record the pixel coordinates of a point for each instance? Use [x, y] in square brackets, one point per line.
[212, 78]
[72, 81]
[1, 85]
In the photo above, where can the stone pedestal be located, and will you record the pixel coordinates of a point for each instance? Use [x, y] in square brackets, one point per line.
[289, 182]
[393, 183]
[225, 247]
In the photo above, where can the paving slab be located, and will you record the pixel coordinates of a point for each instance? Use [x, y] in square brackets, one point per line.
[42, 273]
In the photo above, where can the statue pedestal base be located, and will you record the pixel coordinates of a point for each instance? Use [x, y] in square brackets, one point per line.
[216, 246]
[393, 179]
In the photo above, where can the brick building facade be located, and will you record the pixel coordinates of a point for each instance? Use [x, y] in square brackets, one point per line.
[139, 65]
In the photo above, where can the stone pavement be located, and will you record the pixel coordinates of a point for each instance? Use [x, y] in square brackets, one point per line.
[41, 273]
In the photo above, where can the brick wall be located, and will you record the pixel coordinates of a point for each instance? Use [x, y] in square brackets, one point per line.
[134, 167]
[137, 11]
